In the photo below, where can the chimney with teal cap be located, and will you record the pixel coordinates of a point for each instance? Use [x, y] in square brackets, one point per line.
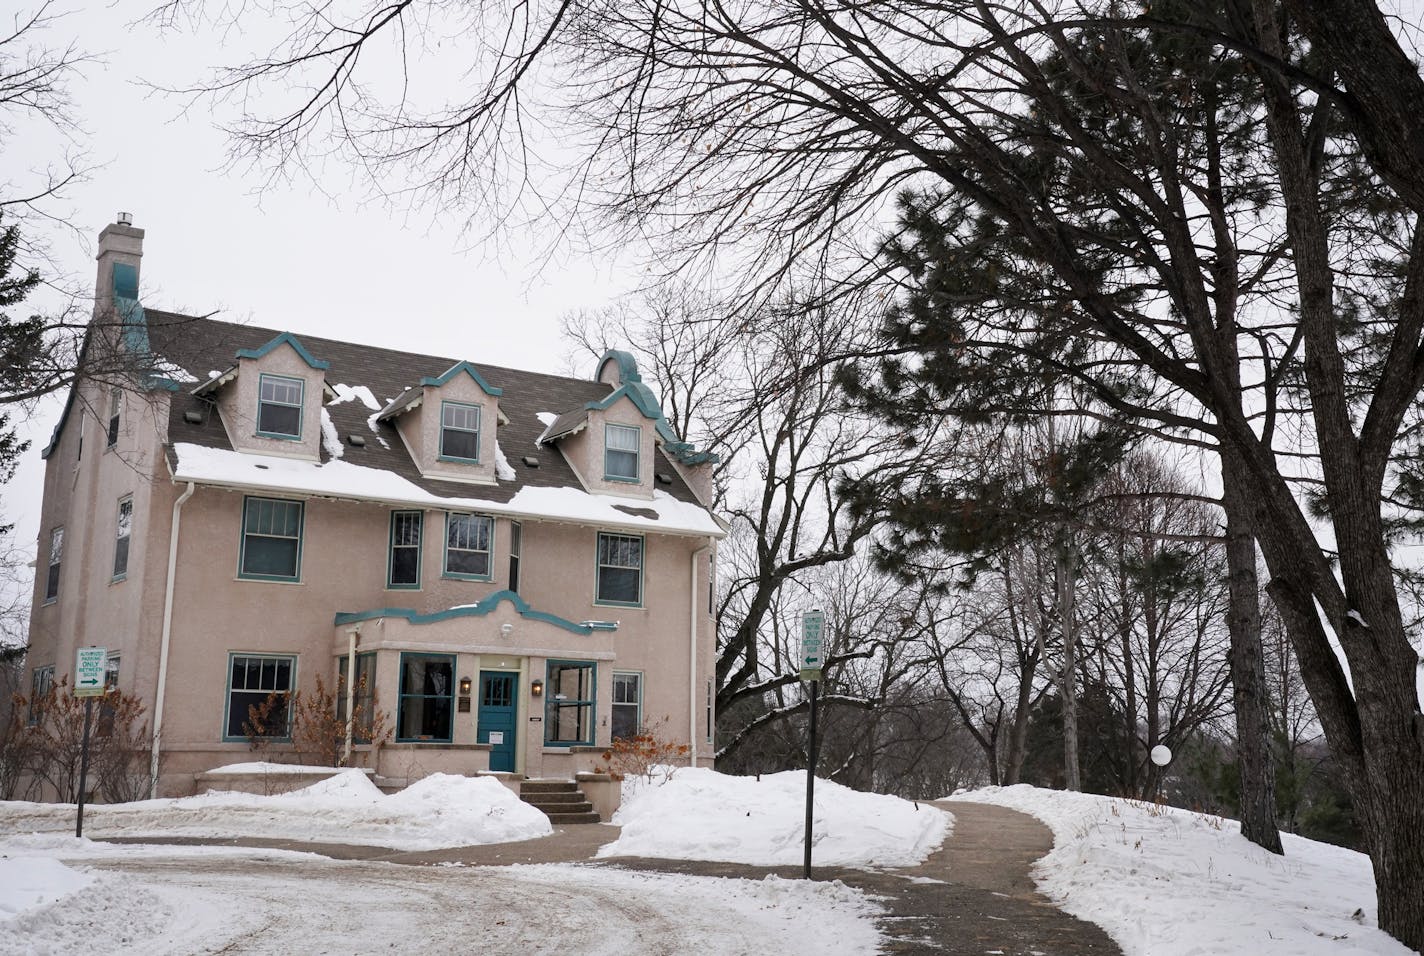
[120, 252]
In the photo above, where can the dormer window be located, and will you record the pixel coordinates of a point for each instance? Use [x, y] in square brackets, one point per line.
[460, 431]
[620, 452]
[279, 407]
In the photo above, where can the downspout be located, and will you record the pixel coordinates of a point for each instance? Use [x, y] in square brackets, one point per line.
[167, 634]
[692, 654]
[351, 635]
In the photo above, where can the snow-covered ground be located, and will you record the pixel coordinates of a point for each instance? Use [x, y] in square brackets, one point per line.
[153, 900]
[703, 815]
[439, 811]
[1168, 882]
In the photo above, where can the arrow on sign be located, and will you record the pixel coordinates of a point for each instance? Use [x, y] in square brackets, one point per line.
[92, 680]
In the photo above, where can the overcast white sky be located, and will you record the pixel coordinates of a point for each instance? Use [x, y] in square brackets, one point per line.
[285, 257]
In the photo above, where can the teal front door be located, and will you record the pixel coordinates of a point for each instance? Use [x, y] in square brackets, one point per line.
[497, 715]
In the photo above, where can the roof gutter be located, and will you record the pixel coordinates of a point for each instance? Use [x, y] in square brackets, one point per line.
[167, 634]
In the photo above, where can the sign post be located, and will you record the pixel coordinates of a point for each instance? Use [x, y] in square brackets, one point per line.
[89, 666]
[813, 623]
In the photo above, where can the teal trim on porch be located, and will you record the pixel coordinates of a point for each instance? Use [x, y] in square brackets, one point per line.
[473, 610]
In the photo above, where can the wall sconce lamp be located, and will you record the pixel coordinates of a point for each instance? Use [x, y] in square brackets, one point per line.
[537, 688]
[464, 687]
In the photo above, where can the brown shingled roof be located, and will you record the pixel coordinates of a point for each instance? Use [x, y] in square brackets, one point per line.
[201, 345]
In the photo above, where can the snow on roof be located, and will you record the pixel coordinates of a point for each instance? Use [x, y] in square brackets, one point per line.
[341, 479]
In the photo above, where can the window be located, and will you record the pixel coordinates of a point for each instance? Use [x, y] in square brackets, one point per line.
[459, 431]
[711, 700]
[365, 697]
[56, 554]
[40, 683]
[104, 724]
[627, 704]
[259, 695]
[403, 570]
[516, 545]
[271, 539]
[116, 404]
[427, 690]
[620, 452]
[467, 546]
[620, 569]
[279, 407]
[568, 713]
[121, 538]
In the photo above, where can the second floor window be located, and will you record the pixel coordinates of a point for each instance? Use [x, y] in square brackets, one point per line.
[116, 404]
[516, 545]
[404, 570]
[459, 431]
[271, 539]
[468, 545]
[123, 533]
[56, 556]
[620, 452]
[279, 407]
[620, 569]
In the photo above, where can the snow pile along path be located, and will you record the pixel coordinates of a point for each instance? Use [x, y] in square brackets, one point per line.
[435, 813]
[1168, 882]
[703, 815]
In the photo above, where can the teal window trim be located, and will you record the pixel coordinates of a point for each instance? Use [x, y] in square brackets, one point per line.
[488, 552]
[636, 704]
[123, 540]
[636, 451]
[116, 406]
[419, 546]
[247, 502]
[40, 682]
[291, 660]
[552, 704]
[402, 696]
[598, 599]
[460, 429]
[300, 406]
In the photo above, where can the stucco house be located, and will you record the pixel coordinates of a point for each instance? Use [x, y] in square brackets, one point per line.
[518, 565]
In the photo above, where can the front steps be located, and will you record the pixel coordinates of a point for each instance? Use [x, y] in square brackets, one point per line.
[561, 801]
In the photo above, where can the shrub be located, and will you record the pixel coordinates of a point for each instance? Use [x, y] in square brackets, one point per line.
[648, 753]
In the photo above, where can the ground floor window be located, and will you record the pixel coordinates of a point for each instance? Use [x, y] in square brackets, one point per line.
[568, 713]
[627, 704]
[40, 683]
[365, 696]
[427, 697]
[259, 695]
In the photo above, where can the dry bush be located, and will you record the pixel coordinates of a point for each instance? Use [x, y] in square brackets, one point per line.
[648, 753]
[52, 748]
[314, 729]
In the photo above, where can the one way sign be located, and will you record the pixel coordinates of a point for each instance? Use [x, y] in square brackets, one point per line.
[89, 671]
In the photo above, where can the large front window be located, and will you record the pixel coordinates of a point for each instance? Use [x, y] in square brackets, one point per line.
[568, 713]
[620, 452]
[259, 695]
[364, 696]
[404, 566]
[620, 569]
[459, 431]
[468, 545]
[271, 539]
[627, 704]
[427, 697]
[279, 407]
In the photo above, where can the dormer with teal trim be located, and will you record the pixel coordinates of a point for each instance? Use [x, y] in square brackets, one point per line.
[270, 400]
[611, 442]
[448, 423]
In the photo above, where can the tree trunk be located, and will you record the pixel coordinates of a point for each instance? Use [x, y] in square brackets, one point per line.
[1067, 568]
[1248, 678]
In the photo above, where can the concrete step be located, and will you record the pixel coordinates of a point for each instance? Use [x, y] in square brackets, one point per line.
[559, 819]
[561, 796]
[580, 806]
[548, 786]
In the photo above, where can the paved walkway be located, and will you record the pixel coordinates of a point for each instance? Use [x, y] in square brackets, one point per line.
[972, 897]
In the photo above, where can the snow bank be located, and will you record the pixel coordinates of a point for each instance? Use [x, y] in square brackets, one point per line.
[28, 882]
[435, 813]
[1169, 882]
[703, 815]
